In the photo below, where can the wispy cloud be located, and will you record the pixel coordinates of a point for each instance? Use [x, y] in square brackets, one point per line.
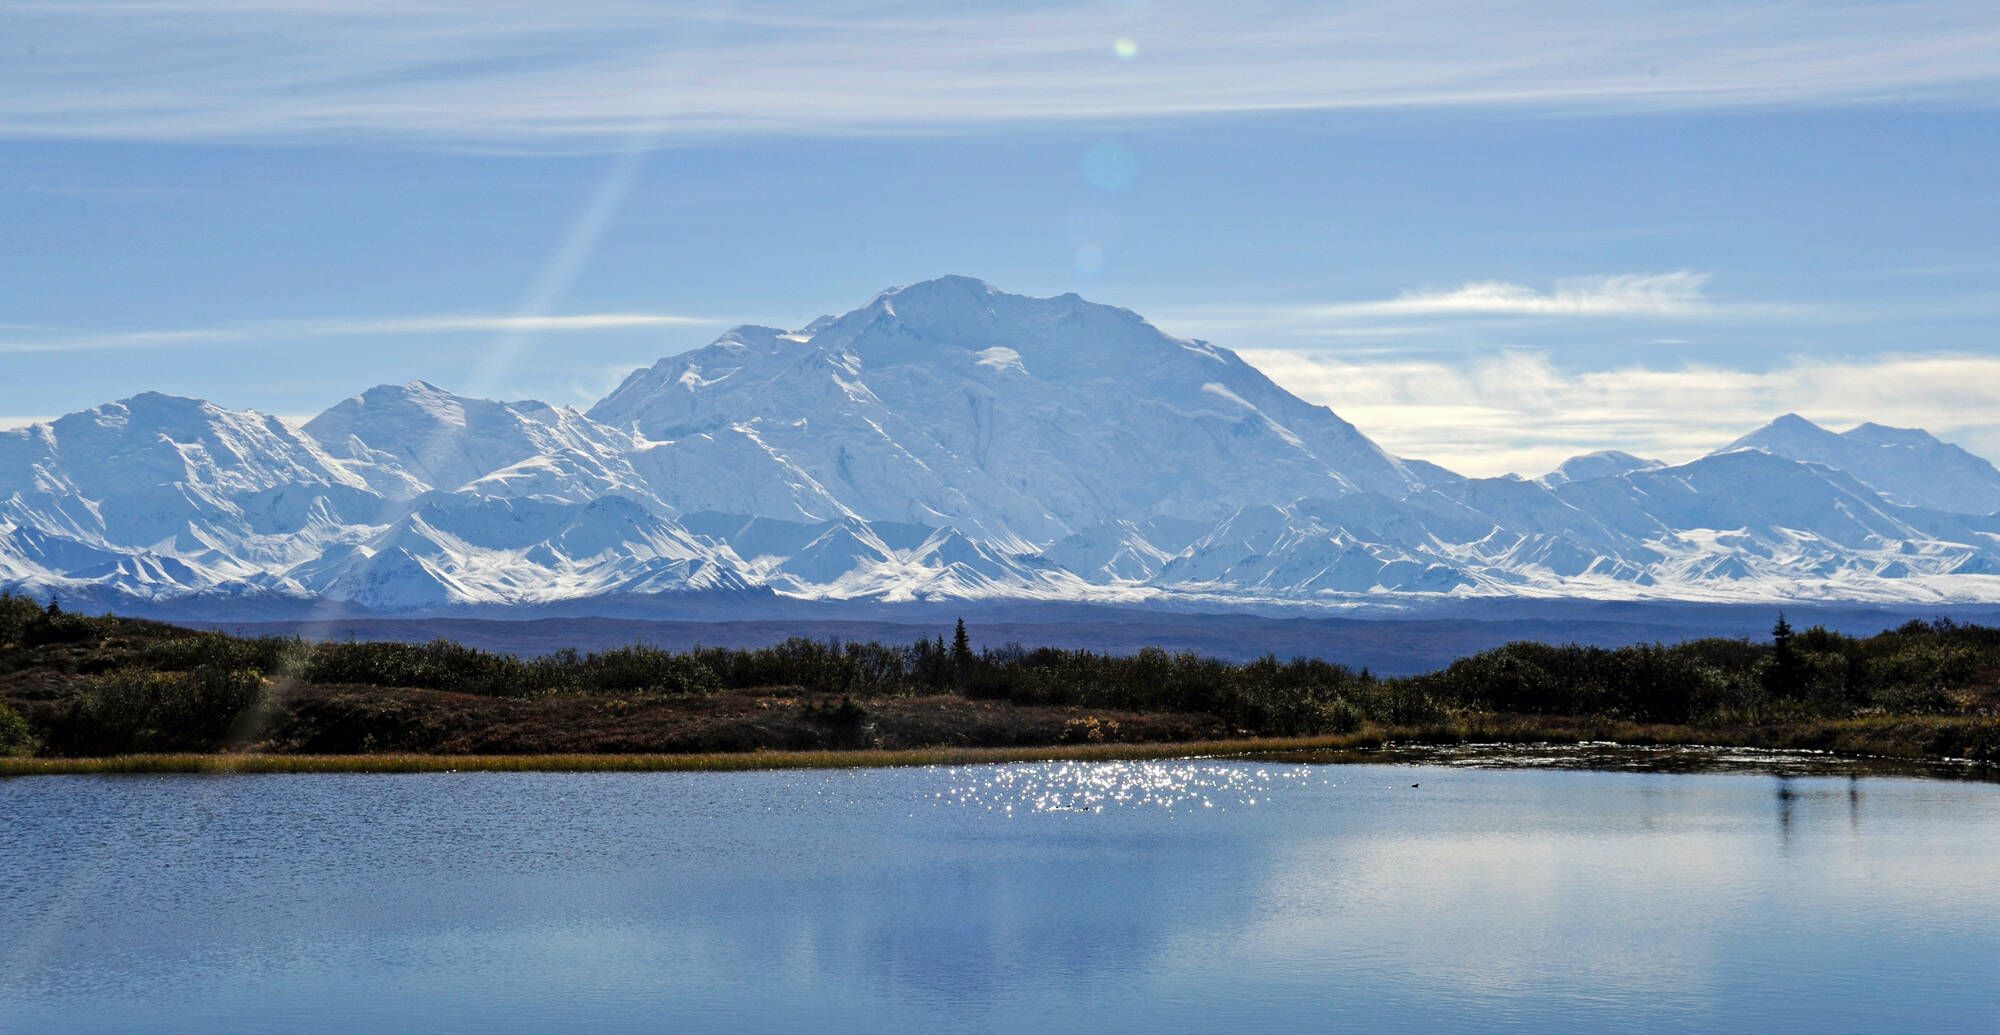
[1643, 294]
[540, 74]
[577, 322]
[1678, 295]
[48, 340]
[1520, 412]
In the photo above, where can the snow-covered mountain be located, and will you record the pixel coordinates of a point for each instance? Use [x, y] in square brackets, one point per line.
[1605, 463]
[947, 440]
[431, 438]
[1018, 419]
[1908, 465]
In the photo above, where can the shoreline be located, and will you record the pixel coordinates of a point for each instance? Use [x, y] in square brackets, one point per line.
[1589, 749]
[731, 761]
[80, 694]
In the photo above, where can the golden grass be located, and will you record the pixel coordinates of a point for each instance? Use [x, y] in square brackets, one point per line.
[713, 762]
[1877, 737]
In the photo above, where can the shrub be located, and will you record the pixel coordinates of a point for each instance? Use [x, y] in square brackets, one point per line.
[437, 665]
[207, 649]
[135, 710]
[645, 669]
[1926, 664]
[1089, 730]
[55, 625]
[845, 724]
[16, 612]
[1342, 717]
[15, 737]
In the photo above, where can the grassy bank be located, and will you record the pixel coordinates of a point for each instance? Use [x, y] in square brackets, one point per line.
[1924, 740]
[102, 694]
[722, 761]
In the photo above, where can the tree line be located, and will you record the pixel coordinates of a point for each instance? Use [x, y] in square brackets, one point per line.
[189, 687]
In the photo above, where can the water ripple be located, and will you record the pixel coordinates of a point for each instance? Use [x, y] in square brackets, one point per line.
[1096, 786]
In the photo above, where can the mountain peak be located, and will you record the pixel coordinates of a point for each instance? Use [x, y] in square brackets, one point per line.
[414, 397]
[947, 437]
[162, 398]
[958, 295]
[1061, 336]
[951, 401]
[950, 282]
[1605, 463]
[442, 440]
[1790, 431]
[161, 402]
[1791, 424]
[1908, 466]
[1882, 435]
[177, 416]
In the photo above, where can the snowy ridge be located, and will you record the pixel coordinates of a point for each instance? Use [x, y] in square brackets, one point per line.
[949, 440]
[1907, 465]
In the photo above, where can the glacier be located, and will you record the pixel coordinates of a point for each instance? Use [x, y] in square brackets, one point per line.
[946, 441]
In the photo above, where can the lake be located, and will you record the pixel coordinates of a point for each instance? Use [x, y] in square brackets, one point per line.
[1111, 897]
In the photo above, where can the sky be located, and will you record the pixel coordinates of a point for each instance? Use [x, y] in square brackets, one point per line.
[1492, 236]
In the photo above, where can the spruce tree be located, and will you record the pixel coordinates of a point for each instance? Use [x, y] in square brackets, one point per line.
[1786, 677]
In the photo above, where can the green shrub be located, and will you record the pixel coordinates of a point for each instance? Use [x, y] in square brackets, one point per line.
[207, 649]
[190, 688]
[16, 612]
[845, 725]
[55, 625]
[15, 736]
[1341, 717]
[136, 710]
[1925, 664]
[437, 665]
[646, 670]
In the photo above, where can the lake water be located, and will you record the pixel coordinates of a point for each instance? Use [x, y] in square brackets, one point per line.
[1115, 897]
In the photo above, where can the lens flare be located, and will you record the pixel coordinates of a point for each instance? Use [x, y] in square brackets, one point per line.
[1125, 49]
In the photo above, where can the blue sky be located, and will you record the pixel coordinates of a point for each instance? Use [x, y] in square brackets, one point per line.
[1489, 238]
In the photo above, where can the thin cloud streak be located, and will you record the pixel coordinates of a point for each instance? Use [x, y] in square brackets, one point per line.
[1652, 294]
[449, 324]
[1679, 295]
[598, 71]
[1518, 412]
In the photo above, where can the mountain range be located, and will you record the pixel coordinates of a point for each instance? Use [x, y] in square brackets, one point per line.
[946, 441]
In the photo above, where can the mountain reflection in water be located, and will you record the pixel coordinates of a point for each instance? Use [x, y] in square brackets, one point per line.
[1116, 896]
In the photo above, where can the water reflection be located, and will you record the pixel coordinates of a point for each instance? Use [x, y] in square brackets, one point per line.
[1118, 896]
[1095, 786]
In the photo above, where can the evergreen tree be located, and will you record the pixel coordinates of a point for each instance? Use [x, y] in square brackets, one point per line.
[961, 648]
[1786, 676]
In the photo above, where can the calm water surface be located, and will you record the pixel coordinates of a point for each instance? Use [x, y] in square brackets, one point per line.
[1114, 897]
